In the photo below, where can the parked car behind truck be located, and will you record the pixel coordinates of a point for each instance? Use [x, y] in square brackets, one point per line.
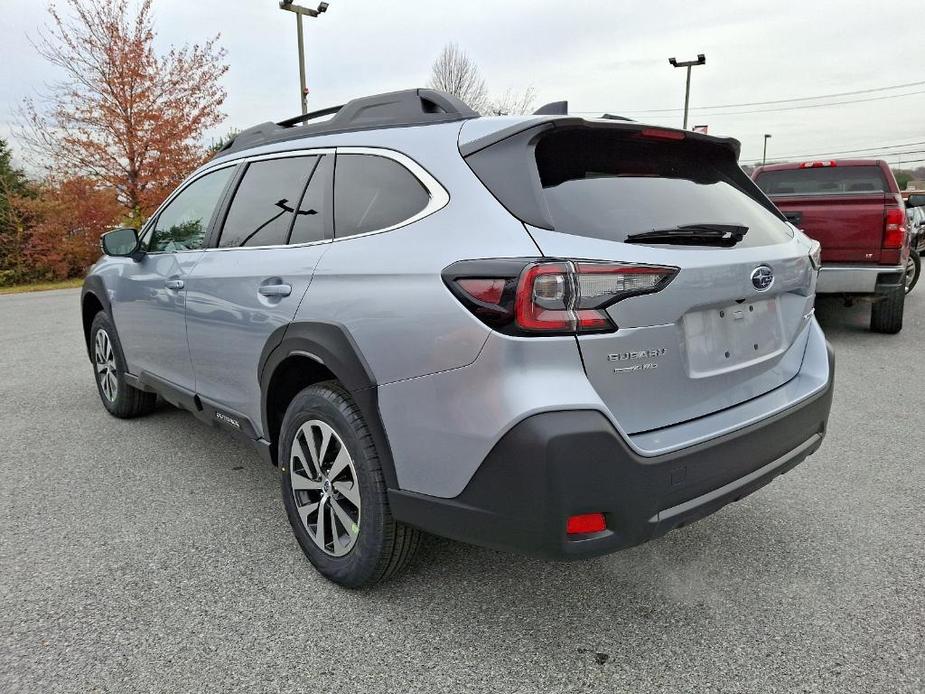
[855, 210]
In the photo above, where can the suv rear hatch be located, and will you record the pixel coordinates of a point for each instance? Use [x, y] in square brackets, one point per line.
[842, 207]
[715, 335]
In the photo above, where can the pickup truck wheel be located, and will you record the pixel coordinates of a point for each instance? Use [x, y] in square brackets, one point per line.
[334, 492]
[886, 315]
[913, 270]
[118, 397]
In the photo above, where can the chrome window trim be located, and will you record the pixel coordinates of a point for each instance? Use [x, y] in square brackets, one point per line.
[439, 197]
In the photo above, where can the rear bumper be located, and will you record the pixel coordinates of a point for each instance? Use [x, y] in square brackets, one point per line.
[557, 464]
[858, 279]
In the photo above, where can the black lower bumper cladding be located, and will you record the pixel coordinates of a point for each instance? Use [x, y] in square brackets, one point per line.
[558, 464]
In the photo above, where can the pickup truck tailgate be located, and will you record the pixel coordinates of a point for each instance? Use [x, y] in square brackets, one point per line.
[849, 226]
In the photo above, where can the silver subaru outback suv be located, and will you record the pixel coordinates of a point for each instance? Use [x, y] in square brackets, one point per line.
[550, 334]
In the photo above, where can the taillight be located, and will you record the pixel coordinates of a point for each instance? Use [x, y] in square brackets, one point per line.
[894, 228]
[550, 297]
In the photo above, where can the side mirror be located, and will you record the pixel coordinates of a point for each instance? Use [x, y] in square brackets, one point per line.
[121, 243]
[917, 200]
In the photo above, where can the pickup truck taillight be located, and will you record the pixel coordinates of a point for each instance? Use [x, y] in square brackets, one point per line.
[894, 228]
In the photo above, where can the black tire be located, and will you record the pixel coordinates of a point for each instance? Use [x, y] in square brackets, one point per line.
[886, 315]
[382, 546]
[915, 264]
[127, 401]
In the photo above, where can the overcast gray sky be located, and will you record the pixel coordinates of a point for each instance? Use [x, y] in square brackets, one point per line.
[605, 55]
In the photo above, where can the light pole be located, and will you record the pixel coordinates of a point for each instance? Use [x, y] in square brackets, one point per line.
[701, 59]
[308, 12]
[764, 155]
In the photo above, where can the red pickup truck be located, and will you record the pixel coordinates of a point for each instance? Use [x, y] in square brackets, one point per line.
[855, 210]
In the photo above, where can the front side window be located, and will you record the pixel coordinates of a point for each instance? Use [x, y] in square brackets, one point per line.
[265, 202]
[373, 193]
[182, 225]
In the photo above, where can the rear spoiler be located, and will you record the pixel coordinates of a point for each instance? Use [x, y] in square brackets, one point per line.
[504, 161]
[473, 146]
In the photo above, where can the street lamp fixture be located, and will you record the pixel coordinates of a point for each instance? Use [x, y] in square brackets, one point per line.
[299, 12]
[764, 154]
[701, 59]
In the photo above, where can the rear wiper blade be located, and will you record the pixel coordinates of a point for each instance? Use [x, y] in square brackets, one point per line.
[693, 235]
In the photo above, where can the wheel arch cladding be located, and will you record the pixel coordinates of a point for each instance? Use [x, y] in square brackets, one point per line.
[93, 299]
[301, 354]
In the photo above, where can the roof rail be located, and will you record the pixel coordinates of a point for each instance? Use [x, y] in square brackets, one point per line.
[390, 110]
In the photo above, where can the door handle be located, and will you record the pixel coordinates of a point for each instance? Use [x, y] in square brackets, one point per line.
[174, 284]
[275, 290]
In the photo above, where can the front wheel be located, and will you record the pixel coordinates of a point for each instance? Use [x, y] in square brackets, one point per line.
[118, 397]
[334, 491]
[913, 270]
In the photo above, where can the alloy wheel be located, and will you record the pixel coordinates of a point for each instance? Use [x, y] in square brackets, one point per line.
[105, 362]
[325, 487]
[909, 277]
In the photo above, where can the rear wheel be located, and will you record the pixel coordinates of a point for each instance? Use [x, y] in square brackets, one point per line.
[334, 491]
[118, 397]
[886, 315]
[913, 270]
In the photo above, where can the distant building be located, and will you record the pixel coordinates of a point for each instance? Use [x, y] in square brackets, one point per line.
[915, 185]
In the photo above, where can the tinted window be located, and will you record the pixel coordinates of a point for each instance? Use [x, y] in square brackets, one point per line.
[610, 185]
[264, 203]
[373, 193]
[825, 180]
[314, 211]
[182, 225]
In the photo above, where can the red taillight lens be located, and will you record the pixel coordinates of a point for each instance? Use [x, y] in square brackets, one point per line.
[894, 228]
[586, 523]
[549, 297]
[487, 290]
[571, 296]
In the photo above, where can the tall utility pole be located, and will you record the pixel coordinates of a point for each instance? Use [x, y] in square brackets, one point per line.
[701, 59]
[764, 154]
[308, 12]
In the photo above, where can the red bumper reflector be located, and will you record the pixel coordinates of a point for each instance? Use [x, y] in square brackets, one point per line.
[586, 523]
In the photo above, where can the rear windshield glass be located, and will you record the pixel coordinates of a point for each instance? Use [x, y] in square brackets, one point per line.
[611, 185]
[826, 180]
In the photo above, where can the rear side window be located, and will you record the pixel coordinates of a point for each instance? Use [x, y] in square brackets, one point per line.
[265, 202]
[825, 180]
[311, 222]
[607, 185]
[372, 193]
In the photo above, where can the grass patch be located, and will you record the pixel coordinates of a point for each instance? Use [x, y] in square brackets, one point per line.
[41, 286]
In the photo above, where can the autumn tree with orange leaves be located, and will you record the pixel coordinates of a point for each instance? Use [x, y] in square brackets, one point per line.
[123, 116]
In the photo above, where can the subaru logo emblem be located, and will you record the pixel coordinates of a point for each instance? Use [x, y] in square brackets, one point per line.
[762, 278]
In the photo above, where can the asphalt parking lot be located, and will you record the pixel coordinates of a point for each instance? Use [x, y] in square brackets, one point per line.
[154, 555]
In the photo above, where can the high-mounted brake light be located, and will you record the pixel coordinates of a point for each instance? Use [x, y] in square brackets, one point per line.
[816, 164]
[661, 134]
[894, 228]
[550, 297]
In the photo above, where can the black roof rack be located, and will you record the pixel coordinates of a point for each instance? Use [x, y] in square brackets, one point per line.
[613, 116]
[394, 109]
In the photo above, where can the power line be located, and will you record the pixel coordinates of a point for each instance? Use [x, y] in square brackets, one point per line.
[765, 103]
[874, 151]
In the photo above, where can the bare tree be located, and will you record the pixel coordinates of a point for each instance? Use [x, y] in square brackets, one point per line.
[456, 73]
[513, 103]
